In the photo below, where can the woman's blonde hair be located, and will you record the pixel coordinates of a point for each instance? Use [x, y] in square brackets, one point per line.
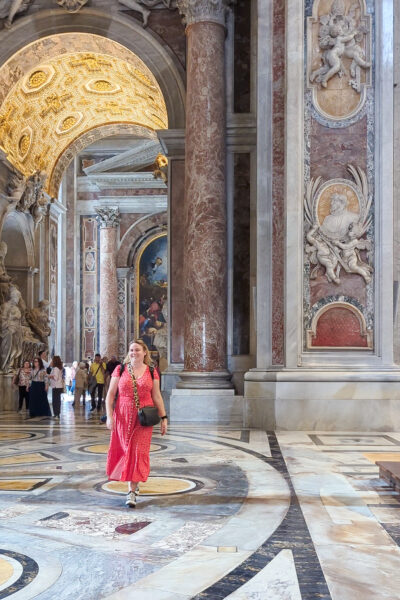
[147, 360]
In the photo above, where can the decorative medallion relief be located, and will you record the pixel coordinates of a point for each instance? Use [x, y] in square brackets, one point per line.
[338, 215]
[24, 143]
[339, 57]
[38, 79]
[68, 123]
[102, 86]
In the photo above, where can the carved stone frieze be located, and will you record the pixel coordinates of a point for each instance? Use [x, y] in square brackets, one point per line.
[72, 6]
[108, 217]
[338, 217]
[145, 6]
[195, 11]
[339, 57]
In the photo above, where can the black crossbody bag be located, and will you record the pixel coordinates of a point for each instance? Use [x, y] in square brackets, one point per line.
[148, 415]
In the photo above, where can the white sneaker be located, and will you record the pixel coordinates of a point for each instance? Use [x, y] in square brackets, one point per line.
[131, 500]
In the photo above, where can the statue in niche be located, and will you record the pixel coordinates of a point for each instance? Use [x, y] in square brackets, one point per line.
[10, 8]
[145, 6]
[72, 6]
[340, 35]
[11, 332]
[336, 239]
[39, 322]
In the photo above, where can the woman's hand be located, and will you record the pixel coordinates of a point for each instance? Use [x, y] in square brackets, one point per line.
[110, 423]
[164, 426]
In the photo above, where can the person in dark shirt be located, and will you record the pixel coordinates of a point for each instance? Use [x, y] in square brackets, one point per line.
[112, 364]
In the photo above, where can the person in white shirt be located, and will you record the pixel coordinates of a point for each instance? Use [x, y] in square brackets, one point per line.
[56, 384]
[43, 356]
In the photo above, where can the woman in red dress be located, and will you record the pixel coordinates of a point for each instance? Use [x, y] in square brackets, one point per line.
[129, 453]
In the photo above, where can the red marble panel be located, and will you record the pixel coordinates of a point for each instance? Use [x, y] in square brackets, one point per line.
[89, 289]
[339, 327]
[331, 150]
[89, 232]
[89, 348]
[350, 285]
[126, 221]
[278, 183]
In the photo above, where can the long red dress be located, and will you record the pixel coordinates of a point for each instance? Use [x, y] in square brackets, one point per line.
[129, 453]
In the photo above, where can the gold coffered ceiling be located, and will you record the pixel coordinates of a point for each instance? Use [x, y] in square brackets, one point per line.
[58, 101]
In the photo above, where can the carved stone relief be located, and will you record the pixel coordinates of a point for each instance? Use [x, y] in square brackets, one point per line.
[338, 216]
[72, 6]
[195, 11]
[339, 56]
[10, 8]
[108, 217]
[145, 6]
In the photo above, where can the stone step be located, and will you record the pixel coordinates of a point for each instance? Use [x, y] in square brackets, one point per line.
[390, 472]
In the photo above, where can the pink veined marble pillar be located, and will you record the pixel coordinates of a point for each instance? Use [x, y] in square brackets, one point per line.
[108, 304]
[205, 199]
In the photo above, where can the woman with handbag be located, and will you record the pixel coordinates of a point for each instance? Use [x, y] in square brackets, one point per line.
[138, 408]
[23, 379]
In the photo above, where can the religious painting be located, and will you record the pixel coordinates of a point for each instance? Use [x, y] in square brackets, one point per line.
[151, 299]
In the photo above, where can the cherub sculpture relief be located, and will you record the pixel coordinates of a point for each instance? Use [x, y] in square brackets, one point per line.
[335, 243]
[9, 8]
[340, 35]
[145, 6]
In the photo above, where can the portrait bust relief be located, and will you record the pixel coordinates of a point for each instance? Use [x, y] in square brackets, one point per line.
[336, 224]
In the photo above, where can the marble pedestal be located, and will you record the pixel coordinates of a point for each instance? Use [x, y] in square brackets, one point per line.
[219, 407]
[9, 393]
[322, 400]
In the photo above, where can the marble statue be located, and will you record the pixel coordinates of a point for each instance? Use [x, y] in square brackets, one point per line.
[340, 35]
[145, 6]
[9, 8]
[16, 184]
[11, 332]
[72, 6]
[335, 241]
[33, 198]
[38, 320]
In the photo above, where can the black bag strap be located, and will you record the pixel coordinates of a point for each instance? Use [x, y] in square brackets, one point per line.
[151, 369]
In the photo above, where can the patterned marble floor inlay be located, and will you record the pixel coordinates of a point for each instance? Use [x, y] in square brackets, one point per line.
[226, 513]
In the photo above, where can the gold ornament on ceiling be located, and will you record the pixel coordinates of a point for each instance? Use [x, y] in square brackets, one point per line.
[62, 99]
[102, 86]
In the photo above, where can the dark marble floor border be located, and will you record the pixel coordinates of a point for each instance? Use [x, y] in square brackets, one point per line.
[292, 534]
[30, 569]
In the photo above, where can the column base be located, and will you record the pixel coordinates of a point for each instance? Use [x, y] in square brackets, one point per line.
[205, 380]
[323, 400]
[219, 407]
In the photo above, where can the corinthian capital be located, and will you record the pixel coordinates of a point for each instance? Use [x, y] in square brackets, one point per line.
[108, 217]
[195, 11]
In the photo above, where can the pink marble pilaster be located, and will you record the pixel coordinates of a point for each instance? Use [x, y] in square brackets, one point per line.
[108, 302]
[205, 208]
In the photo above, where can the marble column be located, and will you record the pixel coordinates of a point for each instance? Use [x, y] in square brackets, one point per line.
[205, 253]
[109, 219]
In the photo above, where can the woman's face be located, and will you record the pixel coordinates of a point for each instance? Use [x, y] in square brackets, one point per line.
[136, 352]
[36, 363]
[27, 365]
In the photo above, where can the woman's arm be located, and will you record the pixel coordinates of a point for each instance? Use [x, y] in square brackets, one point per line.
[159, 404]
[112, 390]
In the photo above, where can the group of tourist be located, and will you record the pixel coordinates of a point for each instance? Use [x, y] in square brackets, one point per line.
[33, 381]
[79, 379]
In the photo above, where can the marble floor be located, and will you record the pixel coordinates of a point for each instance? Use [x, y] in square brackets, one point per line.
[226, 513]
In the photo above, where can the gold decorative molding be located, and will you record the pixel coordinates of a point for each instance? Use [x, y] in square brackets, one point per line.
[69, 95]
